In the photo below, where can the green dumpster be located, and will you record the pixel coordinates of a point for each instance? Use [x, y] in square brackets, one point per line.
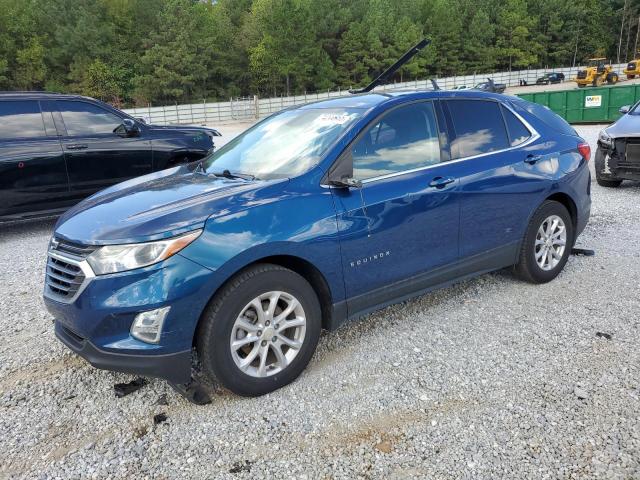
[587, 105]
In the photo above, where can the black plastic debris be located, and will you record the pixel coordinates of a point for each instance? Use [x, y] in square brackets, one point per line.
[583, 251]
[604, 335]
[162, 400]
[159, 418]
[124, 389]
[239, 467]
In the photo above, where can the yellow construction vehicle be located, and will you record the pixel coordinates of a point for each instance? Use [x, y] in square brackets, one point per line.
[597, 73]
[633, 69]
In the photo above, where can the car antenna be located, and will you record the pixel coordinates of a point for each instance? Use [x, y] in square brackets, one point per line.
[394, 68]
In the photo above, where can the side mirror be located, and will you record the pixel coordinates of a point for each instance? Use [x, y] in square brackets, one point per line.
[128, 128]
[625, 109]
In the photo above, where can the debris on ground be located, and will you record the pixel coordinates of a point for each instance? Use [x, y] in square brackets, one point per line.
[159, 418]
[240, 467]
[124, 389]
[604, 335]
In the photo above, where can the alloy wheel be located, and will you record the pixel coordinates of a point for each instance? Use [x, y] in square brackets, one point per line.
[551, 242]
[268, 334]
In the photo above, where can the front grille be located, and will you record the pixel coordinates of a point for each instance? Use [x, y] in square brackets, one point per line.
[631, 160]
[76, 250]
[65, 276]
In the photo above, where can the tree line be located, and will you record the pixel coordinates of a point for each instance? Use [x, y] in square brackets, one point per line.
[164, 51]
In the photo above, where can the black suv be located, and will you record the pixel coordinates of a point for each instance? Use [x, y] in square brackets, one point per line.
[548, 78]
[58, 149]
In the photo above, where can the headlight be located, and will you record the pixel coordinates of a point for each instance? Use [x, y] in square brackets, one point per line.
[118, 258]
[605, 139]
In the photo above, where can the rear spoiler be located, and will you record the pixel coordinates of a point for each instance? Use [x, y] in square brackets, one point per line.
[394, 68]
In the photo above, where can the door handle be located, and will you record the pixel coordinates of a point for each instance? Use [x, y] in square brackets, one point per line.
[531, 159]
[441, 182]
[77, 146]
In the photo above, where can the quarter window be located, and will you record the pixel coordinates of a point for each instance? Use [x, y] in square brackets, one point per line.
[404, 139]
[21, 119]
[479, 128]
[518, 133]
[82, 118]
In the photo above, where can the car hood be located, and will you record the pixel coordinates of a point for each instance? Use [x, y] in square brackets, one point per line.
[159, 205]
[185, 129]
[626, 126]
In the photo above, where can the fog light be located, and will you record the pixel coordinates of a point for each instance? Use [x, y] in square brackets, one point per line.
[148, 325]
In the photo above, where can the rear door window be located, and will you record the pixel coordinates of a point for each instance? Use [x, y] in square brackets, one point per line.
[518, 133]
[479, 128]
[86, 119]
[404, 139]
[21, 119]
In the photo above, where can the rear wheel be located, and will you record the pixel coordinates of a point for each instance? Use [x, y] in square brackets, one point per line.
[547, 243]
[630, 77]
[260, 331]
[612, 78]
[604, 177]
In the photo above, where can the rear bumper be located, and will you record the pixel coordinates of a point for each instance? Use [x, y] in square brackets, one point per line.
[173, 367]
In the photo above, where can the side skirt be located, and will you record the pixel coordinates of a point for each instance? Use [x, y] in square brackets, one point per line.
[420, 284]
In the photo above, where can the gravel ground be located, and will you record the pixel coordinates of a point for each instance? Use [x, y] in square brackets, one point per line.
[492, 378]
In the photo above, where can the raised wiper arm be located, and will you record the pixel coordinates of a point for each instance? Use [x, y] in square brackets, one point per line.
[394, 68]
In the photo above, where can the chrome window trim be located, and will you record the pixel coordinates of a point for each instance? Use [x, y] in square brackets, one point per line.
[534, 136]
[89, 275]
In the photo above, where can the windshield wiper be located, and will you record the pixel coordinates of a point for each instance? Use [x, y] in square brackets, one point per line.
[227, 174]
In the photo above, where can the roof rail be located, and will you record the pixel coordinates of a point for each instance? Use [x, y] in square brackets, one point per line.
[394, 68]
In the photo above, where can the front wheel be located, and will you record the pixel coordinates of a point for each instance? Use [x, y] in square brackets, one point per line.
[260, 331]
[547, 243]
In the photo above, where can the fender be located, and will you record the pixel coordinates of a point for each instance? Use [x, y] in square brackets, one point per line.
[286, 227]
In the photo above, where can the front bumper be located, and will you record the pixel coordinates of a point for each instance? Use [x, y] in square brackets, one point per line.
[96, 324]
[173, 367]
[620, 162]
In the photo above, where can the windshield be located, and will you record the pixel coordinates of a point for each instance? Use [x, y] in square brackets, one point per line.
[286, 144]
[634, 110]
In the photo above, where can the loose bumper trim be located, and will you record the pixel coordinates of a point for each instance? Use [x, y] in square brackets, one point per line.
[174, 367]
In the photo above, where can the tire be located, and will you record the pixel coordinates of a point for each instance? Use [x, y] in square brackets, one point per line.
[612, 79]
[581, 85]
[630, 77]
[220, 362]
[604, 179]
[528, 268]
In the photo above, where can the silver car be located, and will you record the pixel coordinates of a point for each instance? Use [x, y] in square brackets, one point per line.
[618, 153]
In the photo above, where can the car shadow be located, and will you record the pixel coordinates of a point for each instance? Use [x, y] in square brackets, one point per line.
[11, 230]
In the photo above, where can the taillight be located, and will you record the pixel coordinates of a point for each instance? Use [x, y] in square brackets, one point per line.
[585, 150]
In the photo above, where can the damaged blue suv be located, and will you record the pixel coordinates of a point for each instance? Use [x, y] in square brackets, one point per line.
[317, 214]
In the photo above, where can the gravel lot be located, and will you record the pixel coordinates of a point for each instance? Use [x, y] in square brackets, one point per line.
[492, 378]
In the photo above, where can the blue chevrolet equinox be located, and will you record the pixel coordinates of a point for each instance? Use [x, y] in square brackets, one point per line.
[315, 215]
